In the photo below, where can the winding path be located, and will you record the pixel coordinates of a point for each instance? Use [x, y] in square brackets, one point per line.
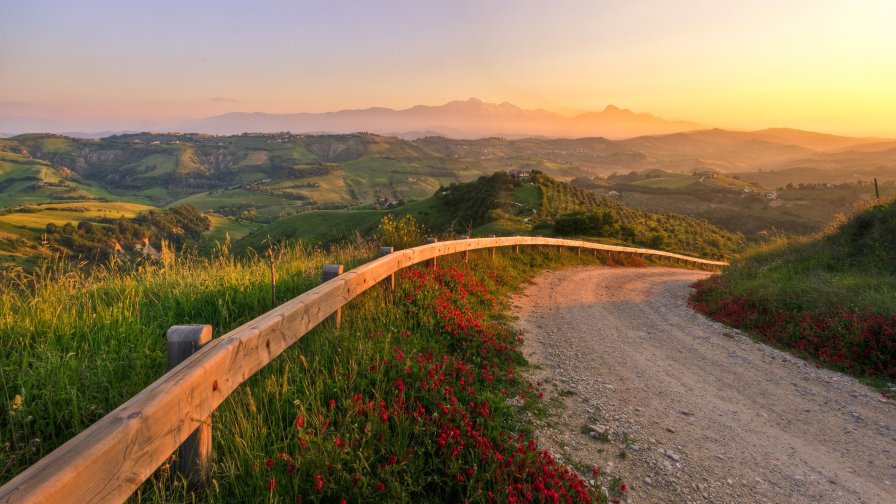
[703, 413]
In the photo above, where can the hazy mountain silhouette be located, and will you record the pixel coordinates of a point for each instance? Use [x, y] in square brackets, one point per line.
[471, 118]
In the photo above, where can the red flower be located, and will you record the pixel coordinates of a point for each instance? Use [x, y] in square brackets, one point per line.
[272, 485]
[623, 488]
[300, 422]
[380, 486]
[269, 463]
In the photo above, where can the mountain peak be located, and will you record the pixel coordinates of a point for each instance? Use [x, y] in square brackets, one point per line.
[470, 118]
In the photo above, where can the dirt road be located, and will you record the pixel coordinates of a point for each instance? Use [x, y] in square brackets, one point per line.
[695, 411]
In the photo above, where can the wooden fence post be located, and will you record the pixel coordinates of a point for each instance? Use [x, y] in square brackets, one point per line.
[466, 253]
[332, 271]
[492, 250]
[432, 262]
[195, 454]
[384, 251]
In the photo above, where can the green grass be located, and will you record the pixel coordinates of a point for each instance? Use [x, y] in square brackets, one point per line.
[829, 298]
[224, 229]
[852, 267]
[73, 212]
[527, 194]
[667, 182]
[316, 227]
[75, 346]
[269, 207]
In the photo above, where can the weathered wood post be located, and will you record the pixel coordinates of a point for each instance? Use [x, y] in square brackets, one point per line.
[194, 456]
[432, 262]
[332, 271]
[492, 250]
[384, 251]
[466, 253]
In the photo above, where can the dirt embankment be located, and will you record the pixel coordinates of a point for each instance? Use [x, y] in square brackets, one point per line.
[695, 411]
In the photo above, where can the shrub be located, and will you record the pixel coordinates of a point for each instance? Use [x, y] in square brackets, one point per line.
[401, 233]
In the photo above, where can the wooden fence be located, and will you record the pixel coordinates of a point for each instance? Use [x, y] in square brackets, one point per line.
[110, 459]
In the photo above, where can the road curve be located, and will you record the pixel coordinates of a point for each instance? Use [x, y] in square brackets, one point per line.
[708, 414]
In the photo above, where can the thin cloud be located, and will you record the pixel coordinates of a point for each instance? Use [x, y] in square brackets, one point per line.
[224, 100]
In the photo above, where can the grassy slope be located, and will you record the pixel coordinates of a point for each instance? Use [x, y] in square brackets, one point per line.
[66, 363]
[525, 206]
[852, 267]
[831, 297]
[36, 217]
[28, 181]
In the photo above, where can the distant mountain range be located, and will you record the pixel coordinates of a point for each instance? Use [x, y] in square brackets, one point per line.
[471, 118]
[474, 119]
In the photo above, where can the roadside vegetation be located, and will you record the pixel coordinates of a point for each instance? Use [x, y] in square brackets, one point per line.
[417, 397]
[830, 298]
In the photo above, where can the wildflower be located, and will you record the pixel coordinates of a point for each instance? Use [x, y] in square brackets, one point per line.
[381, 486]
[269, 463]
[300, 422]
[272, 485]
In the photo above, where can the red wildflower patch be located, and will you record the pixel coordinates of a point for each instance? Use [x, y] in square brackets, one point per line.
[857, 342]
[425, 398]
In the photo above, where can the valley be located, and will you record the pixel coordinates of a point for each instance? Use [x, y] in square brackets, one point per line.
[755, 183]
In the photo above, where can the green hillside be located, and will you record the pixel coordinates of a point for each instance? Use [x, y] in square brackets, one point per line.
[499, 204]
[830, 297]
[24, 180]
[261, 178]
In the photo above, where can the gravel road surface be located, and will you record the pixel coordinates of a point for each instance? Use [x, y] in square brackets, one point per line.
[687, 410]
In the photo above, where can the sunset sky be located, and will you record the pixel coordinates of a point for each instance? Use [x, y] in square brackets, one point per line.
[826, 65]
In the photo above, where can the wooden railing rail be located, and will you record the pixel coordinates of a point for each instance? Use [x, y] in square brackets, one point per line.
[110, 459]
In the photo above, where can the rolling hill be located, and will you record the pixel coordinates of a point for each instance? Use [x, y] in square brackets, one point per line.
[499, 204]
[260, 178]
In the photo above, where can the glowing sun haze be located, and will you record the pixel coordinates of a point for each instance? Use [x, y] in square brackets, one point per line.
[825, 65]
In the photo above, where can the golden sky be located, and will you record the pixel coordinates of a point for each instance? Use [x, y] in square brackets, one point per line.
[825, 65]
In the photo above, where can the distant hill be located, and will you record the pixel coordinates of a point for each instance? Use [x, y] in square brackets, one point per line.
[259, 178]
[503, 205]
[811, 139]
[471, 118]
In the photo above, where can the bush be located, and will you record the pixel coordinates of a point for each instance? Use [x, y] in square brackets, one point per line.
[594, 223]
[401, 233]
